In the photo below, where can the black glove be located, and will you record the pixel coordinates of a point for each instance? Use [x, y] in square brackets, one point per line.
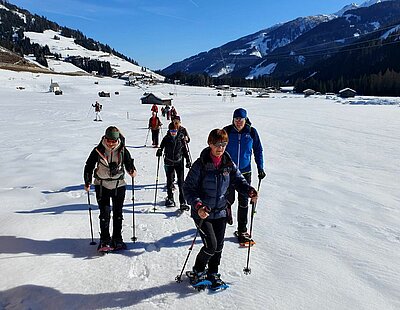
[159, 153]
[261, 174]
[188, 165]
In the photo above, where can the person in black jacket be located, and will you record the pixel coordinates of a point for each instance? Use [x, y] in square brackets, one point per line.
[107, 161]
[174, 153]
[205, 190]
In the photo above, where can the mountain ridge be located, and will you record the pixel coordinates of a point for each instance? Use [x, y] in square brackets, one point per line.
[284, 59]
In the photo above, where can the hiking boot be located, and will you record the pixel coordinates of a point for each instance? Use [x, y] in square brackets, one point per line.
[197, 277]
[184, 207]
[118, 244]
[169, 203]
[215, 279]
[244, 237]
[104, 244]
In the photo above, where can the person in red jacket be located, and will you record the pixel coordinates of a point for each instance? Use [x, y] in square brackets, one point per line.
[155, 125]
[154, 108]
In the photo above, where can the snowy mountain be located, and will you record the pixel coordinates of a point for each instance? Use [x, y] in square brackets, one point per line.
[288, 48]
[61, 49]
[240, 54]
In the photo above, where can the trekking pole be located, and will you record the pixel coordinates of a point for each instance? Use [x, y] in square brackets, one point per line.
[247, 269]
[188, 150]
[178, 278]
[147, 137]
[155, 195]
[133, 207]
[90, 218]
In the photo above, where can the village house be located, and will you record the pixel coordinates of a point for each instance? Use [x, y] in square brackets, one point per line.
[347, 93]
[156, 98]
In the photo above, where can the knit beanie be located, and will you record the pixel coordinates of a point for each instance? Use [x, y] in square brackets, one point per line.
[112, 133]
[240, 112]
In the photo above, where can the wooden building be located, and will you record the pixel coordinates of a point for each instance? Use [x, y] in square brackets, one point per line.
[347, 93]
[156, 98]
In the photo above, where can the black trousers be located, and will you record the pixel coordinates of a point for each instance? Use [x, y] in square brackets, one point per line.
[154, 136]
[212, 232]
[170, 174]
[242, 211]
[104, 196]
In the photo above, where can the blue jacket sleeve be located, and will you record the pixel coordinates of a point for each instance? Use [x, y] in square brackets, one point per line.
[258, 150]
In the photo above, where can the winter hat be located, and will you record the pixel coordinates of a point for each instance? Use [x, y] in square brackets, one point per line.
[112, 133]
[240, 112]
[172, 126]
[177, 117]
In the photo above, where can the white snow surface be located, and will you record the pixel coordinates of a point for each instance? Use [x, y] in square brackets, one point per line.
[327, 224]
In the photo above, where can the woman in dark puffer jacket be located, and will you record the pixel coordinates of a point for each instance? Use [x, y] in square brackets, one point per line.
[205, 190]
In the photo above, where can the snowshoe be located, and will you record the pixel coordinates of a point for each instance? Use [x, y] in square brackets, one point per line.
[244, 239]
[104, 247]
[216, 282]
[169, 203]
[198, 280]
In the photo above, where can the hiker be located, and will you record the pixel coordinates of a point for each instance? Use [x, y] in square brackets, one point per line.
[97, 108]
[107, 161]
[173, 112]
[155, 125]
[154, 108]
[168, 112]
[175, 151]
[205, 189]
[243, 141]
[177, 121]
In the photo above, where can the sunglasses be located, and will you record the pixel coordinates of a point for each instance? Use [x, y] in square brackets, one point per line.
[220, 144]
[173, 131]
[111, 140]
[239, 119]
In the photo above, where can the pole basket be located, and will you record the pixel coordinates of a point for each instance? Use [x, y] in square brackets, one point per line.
[247, 270]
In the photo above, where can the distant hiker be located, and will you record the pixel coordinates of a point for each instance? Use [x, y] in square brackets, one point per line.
[175, 151]
[97, 108]
[163, 111]
[181, 130]
[243, 141]
[155, 125]
[154, 108]
[205, 190]
[173, 112]
[168, 112]
[108, 161]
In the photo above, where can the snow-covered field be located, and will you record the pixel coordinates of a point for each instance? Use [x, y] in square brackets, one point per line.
[327, 224]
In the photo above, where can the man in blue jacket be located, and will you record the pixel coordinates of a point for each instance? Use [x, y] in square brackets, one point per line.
[243, 141]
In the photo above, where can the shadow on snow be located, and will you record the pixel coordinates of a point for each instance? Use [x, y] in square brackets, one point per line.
[26, 296]
[81, 248]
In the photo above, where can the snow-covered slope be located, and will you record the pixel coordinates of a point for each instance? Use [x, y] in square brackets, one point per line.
[67, 47]
[327, 221]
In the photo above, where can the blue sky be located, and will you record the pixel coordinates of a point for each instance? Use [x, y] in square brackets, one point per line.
[157, 33]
